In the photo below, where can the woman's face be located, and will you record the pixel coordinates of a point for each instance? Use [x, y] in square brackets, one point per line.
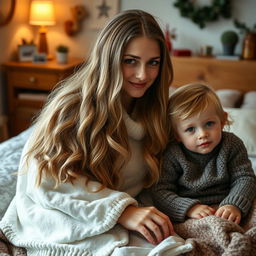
[140, 67]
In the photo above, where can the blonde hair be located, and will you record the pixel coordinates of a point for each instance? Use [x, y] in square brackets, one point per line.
[191, 99]
[81, 132]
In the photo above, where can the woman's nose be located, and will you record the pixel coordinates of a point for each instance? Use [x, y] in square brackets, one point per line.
[141, 73]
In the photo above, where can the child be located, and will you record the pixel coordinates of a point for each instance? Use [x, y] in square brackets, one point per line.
[204, 166]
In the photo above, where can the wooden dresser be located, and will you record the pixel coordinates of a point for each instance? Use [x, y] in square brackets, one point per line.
[28, 85]
[218, 73]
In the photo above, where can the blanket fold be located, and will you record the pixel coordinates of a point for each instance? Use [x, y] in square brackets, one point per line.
[214, 236]
[8, 249]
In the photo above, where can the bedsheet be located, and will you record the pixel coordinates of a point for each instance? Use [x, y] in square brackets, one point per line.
[10, 152]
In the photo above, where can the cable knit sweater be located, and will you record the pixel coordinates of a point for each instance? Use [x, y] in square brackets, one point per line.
[71, 219]
[223, 176]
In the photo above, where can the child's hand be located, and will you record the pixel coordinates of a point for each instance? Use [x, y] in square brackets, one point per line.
[199, 211]
[229, 212]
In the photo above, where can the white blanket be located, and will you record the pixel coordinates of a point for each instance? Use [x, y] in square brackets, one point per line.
[171, 246]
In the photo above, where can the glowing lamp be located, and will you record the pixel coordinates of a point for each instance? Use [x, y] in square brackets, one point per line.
[42, 14]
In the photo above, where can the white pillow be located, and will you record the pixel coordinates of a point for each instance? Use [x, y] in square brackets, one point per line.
[249, 100]
[244, 126]
[229, 97]
[171, 90]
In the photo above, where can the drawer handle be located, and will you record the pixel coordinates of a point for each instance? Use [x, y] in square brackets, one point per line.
[32, 79]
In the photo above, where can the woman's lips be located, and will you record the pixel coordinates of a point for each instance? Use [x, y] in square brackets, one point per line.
[138, 85]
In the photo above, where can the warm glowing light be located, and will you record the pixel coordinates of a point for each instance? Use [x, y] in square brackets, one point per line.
[42, 13]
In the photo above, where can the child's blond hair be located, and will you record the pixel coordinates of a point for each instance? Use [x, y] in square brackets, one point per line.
[191, 99]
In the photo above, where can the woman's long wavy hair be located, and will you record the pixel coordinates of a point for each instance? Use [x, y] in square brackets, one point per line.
[81, 132]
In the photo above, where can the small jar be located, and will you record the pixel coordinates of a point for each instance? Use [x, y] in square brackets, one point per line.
[249, 46]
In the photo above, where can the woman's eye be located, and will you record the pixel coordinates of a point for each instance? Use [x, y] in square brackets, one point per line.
[129, 61]
[190, 129]
[154, 62]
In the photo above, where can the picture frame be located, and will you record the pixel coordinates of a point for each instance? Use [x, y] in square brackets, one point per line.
[101, 11]
[39, 58]
[26, 52]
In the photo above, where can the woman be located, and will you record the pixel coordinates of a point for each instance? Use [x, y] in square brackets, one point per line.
[96, 144]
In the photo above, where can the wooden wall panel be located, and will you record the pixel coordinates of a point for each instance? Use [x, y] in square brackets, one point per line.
[220, 74]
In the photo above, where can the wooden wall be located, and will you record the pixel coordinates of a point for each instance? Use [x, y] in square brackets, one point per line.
[219, 74]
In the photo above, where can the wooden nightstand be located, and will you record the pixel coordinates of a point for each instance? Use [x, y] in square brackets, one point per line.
[28, 85]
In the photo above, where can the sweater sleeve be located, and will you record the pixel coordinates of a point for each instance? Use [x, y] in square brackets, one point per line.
[243, 180]
[69, 212]
[164, 193]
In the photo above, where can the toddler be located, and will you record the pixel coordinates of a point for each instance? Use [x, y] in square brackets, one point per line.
[203, 165]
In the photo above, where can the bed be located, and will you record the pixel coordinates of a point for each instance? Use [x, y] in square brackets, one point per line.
[244, 126]
[242, 109]
[10, 152]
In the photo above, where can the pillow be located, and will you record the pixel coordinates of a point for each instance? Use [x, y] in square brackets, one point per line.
[171, 90]
[249, 100]
[244, 126]
[229, 98]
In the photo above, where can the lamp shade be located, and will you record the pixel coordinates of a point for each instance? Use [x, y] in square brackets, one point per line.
[42, 13]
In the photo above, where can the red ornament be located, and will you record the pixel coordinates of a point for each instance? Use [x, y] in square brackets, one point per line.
[167, 39]
[168, 36]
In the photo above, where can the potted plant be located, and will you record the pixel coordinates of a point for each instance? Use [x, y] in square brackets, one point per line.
[229, 40]
[249, 43]
[62, 54]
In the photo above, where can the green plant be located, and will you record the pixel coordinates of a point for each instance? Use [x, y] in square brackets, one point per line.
[244, 28]
[207, 13]
[229, 37]
[62, 48]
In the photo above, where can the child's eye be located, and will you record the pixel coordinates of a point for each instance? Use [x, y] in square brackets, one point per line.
[129, 61]
[190, 129]
[154, 63]
[209, 123]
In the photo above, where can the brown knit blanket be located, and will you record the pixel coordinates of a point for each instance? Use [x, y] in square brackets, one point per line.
[8, 249]
[213, 236]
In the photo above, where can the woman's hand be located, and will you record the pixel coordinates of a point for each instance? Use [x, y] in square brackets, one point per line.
[148, 221]
[229, 212]
[199, 211]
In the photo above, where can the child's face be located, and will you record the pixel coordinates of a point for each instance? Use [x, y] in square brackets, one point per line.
[200, 133]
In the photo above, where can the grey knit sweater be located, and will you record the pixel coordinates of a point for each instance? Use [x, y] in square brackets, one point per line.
[223, 176]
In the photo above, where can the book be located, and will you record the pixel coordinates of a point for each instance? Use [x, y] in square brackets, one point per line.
[33, 96]
[228, 57]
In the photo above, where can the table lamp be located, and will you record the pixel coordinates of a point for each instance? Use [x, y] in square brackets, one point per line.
[42, 14]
